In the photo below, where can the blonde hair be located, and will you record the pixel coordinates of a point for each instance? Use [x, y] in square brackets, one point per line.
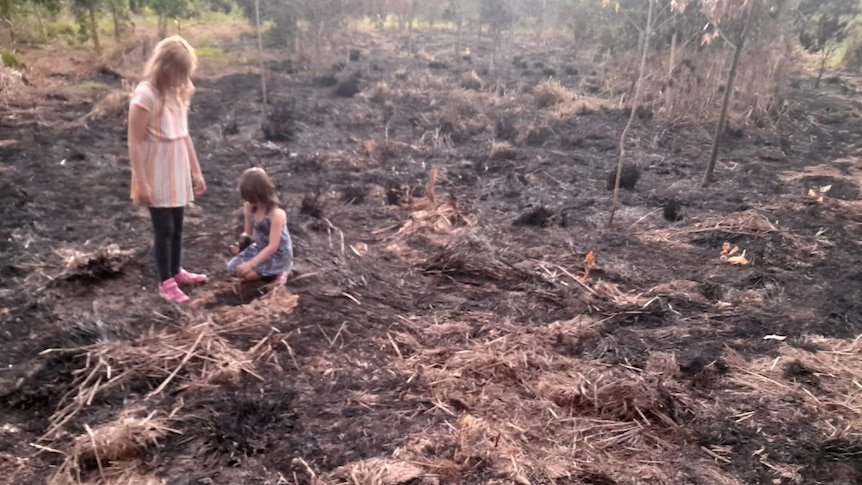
[170, 68]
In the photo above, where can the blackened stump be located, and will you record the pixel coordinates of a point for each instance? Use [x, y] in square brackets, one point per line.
[628, 179]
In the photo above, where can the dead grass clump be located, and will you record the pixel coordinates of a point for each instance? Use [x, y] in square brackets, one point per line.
[505, 129]
[608, 393]
[105, 262]
[114, 105]
[314, 205]
[121, 440]
[466, 103]
[537, 135]
[441, 216]
[503, 151]
[472, 82]
[550, 92]
[380, 93]
[378, 471]
[104, 447]
[197, 355]
[280, 122]
[751, 222]
[436, 138]
[132, 473]
[278, 302]
[827, 381]
[473, 256]
[11, 83]
[584, 105]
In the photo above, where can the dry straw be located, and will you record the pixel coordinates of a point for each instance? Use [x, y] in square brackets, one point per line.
[197, 354]
[114, 448]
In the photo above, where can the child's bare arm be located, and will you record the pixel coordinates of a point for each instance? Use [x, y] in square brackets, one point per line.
[245, 238]
[139, 118]
[200, 185]
[247, 226]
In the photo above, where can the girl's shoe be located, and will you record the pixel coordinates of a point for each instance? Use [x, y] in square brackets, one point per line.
[186, 278]
[169, 290]
[281, 279]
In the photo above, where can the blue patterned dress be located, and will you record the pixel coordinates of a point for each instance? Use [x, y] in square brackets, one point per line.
[279, 263]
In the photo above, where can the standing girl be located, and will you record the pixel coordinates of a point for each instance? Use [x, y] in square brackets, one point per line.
[166, 174]
[265, 249]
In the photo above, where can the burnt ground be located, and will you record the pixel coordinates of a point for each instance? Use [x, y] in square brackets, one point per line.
[450, 338]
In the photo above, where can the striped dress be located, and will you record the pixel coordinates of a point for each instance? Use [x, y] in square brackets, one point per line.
[166, 158]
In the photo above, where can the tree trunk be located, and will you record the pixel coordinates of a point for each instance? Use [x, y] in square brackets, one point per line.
[116, 19]
[38, 11]
[94, 26]
[260, 50]
[458, 26]
[541, 26]
[669, 83]
[824, 56]
[633, 113]
[163, 26]
[728, 92]
[410, 25]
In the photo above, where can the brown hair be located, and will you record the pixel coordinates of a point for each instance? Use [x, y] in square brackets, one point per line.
[170, 68]
[257, 188]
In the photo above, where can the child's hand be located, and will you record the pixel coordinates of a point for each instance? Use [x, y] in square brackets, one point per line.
[234, 249]
[199, 184]
[144, 193]
[245, 269]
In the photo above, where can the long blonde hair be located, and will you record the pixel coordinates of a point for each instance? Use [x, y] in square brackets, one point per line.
[170, 68]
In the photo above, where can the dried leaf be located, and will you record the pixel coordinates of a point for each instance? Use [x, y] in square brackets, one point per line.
[589, 263]
[369, 146]
[432, 182]
[738, 260]
[825, 188]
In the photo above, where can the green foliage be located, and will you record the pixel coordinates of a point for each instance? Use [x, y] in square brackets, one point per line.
[60, 29]
[209, 51]
[174, 9]
[9, 59]
[851, 56]
[824, 24]
[92, 86]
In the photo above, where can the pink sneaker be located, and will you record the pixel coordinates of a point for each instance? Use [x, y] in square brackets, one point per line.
[186, 278]
[171, 292]
[281, 279]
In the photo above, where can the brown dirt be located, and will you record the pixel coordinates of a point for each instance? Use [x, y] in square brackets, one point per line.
[443, 339]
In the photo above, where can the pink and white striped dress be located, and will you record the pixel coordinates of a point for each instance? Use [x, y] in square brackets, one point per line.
[166, 158]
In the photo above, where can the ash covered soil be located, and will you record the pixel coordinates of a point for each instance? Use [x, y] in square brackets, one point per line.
[438, 327]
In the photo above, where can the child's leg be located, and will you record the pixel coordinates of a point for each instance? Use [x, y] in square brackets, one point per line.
[162, 230]
[246, 255]
[177, 214]
[232, 264]
[251, 276]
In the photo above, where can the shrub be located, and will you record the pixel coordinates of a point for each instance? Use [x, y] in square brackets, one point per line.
[9, 59]
[550, 92]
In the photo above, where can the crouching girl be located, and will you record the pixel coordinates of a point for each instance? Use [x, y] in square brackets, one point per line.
[265, 249]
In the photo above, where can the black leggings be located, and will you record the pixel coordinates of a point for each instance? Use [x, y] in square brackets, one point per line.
[168, 242]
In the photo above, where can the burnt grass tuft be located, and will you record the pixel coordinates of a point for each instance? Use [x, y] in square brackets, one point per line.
[280, 123]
